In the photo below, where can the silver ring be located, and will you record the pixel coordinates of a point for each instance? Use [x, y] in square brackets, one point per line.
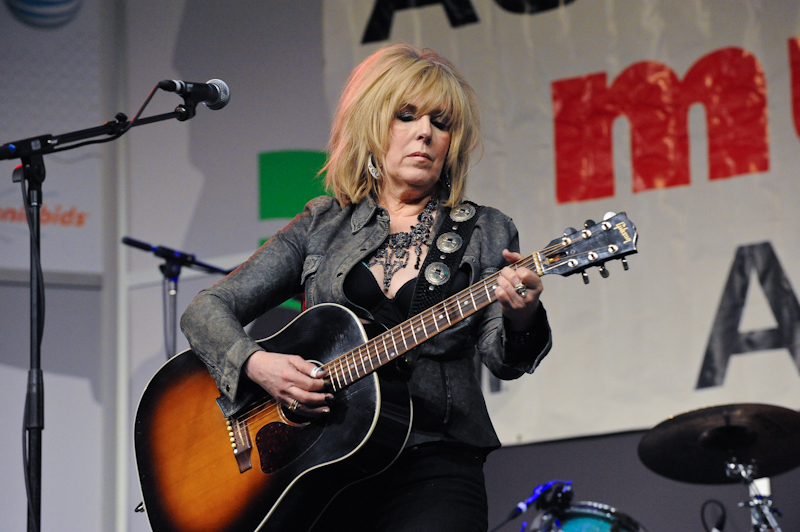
[293, 406]
[315, 371]
[521, 289]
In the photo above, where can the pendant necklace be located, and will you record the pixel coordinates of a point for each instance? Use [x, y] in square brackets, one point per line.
[393, 255]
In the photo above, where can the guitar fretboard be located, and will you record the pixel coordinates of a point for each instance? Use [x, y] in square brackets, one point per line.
[614, 237]
[355, 364]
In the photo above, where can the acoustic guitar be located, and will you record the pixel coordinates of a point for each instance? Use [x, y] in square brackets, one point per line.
[268, 469]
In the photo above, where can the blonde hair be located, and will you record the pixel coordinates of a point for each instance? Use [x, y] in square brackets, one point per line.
[393, 77]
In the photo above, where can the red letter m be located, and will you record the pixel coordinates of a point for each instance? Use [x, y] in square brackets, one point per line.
[729, 83]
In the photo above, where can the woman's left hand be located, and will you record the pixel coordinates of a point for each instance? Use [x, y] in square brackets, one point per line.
[517, 308]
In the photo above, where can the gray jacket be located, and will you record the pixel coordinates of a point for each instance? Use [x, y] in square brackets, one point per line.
[313, 254]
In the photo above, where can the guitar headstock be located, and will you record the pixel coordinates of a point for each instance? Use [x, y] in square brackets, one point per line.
[575, 252]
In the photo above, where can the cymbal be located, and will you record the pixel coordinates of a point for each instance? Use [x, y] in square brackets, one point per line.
[696, 446]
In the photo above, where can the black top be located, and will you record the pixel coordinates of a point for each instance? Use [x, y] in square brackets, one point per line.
[362, 289]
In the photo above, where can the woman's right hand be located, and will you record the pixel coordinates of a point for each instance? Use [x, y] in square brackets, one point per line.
[288, 378]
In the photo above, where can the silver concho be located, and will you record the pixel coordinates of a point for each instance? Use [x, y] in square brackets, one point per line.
[449, 242]
[463, 212]
[437, 273]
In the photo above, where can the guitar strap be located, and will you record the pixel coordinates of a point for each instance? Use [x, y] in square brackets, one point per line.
[444, 257]
[441, 265]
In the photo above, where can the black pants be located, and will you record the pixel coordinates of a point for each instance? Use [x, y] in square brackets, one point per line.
[436, 487]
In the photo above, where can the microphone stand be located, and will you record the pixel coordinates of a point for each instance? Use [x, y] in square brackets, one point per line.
[32, 171]
[171, 270]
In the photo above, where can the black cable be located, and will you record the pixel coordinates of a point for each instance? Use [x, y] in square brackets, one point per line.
[116, 135]
[36, 263]
[720, 523]
[25, 462]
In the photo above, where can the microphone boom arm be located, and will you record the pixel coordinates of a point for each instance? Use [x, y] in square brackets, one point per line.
[45, 144]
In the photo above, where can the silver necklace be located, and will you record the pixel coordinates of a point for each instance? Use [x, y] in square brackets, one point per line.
[393, 255]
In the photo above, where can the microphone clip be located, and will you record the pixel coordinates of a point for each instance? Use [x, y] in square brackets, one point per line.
[186, 110]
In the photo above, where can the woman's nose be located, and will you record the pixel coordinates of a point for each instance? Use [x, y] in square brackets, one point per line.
[424, 128]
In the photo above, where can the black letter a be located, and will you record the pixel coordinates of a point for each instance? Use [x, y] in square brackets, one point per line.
[459, 12]
[726, 340]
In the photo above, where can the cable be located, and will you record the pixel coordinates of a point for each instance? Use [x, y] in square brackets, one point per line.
[117, 135]
[38, 279]
[36, 264]
[720, 523]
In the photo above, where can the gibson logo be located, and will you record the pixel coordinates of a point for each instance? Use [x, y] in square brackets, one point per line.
[623, 230]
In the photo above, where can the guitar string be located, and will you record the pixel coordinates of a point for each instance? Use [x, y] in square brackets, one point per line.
[425, 324]
[447, 306]
[266, 407]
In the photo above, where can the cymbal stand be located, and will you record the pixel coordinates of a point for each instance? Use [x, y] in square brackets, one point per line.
[761, 512]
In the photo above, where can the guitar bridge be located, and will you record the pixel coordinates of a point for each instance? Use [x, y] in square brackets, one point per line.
[240, 444]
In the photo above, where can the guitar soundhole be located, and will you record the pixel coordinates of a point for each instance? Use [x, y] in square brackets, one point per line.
[280, 444]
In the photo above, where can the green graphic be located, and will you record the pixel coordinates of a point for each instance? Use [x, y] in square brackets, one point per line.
[286, 181]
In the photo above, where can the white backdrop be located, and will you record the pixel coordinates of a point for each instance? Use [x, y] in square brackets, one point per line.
[628, 350]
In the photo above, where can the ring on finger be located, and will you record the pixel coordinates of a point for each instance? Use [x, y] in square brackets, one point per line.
[294, 405]
[521, 289]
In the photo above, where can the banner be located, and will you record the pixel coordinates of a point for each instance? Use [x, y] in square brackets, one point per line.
[686, 116]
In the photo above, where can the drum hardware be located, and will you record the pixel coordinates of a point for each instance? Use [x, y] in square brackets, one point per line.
[726, 444]
[761, 511]
[554, 494]
[557, 513]
[585, 516]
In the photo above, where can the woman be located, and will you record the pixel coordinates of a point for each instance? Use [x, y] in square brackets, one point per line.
[400, 148]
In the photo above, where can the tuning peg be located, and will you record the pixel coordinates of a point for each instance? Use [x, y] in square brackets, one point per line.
[624, 263]
[570, 230]
[603, 271]
[585, 277]
[609, 215]
[588, 223]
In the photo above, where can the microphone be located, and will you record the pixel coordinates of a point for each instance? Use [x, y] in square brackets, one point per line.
[561, 498]
[215, 93]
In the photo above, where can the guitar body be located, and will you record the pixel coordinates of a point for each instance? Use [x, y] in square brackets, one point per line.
[192, 480]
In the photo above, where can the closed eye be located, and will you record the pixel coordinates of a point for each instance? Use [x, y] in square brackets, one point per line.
[440, 122]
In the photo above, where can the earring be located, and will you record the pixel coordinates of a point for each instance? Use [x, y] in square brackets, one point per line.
[445, 180]
[373, 170]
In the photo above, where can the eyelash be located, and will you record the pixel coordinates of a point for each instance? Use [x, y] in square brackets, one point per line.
[408, 117]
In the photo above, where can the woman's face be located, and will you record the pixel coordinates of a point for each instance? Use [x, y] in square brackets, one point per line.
[418, 146]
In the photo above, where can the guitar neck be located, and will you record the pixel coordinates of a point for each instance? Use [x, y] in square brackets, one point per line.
[377, 352]
[613, 238]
